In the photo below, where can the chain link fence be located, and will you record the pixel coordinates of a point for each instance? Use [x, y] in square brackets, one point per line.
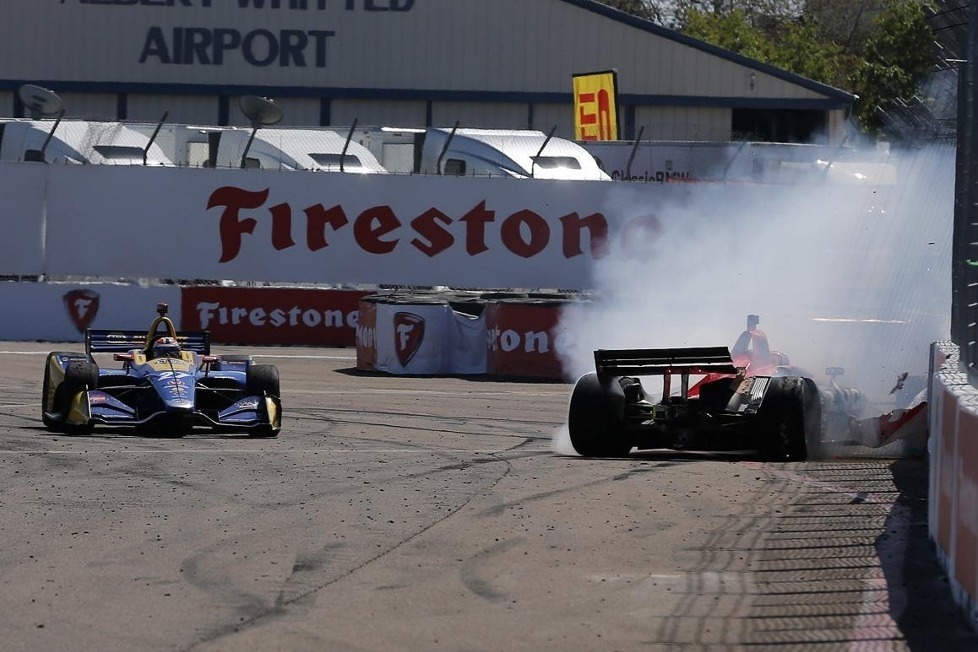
[964, 258]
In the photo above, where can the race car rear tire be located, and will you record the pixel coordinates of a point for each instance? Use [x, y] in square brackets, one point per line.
[262, 379]
[595, 418]
[80, 375]
[790, 417]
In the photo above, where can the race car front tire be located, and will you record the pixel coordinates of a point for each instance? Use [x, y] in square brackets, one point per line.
[789, 417]
[262, 379]
[81, 375]
[595, 418]
[52, 406]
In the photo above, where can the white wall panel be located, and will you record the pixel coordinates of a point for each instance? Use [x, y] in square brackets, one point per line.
[21, 213]
[42, 312]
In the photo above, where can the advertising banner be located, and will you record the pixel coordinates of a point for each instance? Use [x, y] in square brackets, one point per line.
[596, 106]
[60, 312]
[413, 338]
[523, 339]
[367, 336]
[22, 216]
[423, 337]
[330, 228]
[271, 315]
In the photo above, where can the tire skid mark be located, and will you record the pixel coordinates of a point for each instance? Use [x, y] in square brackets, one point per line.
[270, 612]
[320, 413]
[474, 580]
[198, 574]
[500, 508]
[517, 430]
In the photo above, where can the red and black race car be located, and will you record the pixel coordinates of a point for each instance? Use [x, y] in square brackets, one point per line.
[747, 398]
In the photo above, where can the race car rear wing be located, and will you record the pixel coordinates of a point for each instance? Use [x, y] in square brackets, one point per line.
[659, 362]
[665, 362]
[107, 341]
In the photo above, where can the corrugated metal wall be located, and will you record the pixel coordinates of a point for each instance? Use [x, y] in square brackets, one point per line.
[402, 113]
[680, 123]
[183, 109]
[496, 115]
[487, 63]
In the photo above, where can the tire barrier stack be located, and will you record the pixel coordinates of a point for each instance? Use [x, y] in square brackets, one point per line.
[510, 334]
[523, 335]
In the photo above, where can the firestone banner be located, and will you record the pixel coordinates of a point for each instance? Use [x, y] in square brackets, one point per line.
[60, 312]
[336, 229]
[269, 315]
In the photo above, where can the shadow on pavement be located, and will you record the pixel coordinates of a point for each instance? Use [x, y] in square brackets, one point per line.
[930, 619]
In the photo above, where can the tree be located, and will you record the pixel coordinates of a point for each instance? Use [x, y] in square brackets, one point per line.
[647, 9]
[846, 22]
[880, 50]
[791, 45]
[898, 56]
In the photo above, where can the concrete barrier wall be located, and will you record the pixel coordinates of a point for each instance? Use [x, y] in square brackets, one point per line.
[953, 498]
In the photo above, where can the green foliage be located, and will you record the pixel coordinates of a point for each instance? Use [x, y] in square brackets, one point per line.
[640, 8]
[897, 57]
[879, 50]
[730, 31]
[792, 45]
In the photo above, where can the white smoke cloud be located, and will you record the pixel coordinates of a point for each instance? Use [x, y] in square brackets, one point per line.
[842, 271]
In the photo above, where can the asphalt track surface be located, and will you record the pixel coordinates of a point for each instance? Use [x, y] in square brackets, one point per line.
[425, 514]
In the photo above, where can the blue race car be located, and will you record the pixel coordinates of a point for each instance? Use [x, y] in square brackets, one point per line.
[169, 384]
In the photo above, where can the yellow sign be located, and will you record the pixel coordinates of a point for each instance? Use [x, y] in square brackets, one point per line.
[596, 106]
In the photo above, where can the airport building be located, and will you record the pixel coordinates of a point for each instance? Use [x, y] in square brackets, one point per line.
[495, 64]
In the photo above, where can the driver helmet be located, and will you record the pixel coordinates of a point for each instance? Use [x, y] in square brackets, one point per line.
[166, 347]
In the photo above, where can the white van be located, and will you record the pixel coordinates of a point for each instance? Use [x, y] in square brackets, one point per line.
[78, 142]
[294, 149]
[517, 153]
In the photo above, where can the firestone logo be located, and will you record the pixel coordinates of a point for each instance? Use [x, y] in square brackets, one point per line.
[378, 230]
[366, 337]
[408, 336]
[509, 340]
[82, 306]
[212, 312]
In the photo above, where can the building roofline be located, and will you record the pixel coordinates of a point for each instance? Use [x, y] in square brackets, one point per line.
[663, 32]
[425, 95]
